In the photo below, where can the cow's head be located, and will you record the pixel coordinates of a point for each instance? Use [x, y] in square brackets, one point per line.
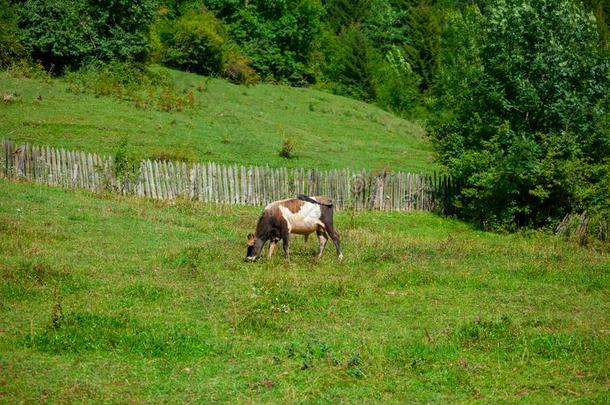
[254, 247]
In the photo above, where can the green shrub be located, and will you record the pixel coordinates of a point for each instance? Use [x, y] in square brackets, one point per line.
[124, 166]
[396, 83]
[168, 100]
[195, 43]
[237, 68]
[26, 69]
[286, 151]
[120, 79]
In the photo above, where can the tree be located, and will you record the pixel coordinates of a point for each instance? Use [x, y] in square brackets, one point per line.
[525, 92]
[11, 48]
[423, 41]
[601, 10]
[279, 37]
[350, 62]
[345, 13]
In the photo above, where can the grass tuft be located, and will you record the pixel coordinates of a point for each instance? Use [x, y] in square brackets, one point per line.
[88, 332]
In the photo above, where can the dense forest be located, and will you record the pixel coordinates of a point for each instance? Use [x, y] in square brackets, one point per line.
[514, 92]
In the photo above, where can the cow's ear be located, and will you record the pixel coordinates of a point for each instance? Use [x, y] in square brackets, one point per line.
[250, 239]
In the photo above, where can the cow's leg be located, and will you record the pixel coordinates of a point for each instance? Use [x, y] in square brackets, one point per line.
[272, 244]
[305, 237]
[285, 242]
[334, 235]
[323, 238]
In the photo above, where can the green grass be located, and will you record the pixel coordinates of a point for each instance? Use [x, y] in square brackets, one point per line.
[227, 124]
[115, 299]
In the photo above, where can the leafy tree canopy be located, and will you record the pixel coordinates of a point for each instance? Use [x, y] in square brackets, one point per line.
[524, 92]
[66, 33]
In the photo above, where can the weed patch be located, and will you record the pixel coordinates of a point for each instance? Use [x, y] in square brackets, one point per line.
[482, 332]
[268, 309]
[146, 293]
[88, 332]
[188, 259]
[130, 82]
[566, 345]
[28, 274]
[337, 288]
[314, 353]
[287, 148]
[176, 155]
[506, 337]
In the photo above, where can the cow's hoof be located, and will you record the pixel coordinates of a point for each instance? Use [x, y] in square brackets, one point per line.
[341, 256]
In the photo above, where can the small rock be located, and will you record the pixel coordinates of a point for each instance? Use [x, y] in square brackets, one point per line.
[9, 97]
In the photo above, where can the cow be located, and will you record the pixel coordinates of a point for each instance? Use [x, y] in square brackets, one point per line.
[302, 215]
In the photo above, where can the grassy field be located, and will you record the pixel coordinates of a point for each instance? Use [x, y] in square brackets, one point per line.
[227, 124]
[128, 300]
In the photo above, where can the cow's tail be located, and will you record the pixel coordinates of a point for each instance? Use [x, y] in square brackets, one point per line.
[303, 197]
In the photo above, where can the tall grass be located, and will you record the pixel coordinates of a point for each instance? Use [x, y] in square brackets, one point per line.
[138, 84]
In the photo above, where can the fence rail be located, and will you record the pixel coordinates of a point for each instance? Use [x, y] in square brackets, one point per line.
[227, 184]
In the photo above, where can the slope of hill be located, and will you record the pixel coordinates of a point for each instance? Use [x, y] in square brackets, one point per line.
[228, 123]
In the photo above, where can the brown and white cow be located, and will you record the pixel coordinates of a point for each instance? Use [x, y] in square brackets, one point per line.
[302, 215]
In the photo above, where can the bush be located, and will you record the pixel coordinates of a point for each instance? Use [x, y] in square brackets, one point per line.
[287, 148]
[240, 72]
[124, 166]
[26, 69]
[196, 41]
[396, 83]
[120, 79]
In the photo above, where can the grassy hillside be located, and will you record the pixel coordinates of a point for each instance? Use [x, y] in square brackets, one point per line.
[228, 123]
[130, 300]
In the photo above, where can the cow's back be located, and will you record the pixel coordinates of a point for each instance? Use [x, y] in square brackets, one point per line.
[300, 215]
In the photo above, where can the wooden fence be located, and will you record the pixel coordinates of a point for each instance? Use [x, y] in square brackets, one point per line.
[227, 184]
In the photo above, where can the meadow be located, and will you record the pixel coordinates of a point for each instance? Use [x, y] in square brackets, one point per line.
[123, 299]
[226, 123]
